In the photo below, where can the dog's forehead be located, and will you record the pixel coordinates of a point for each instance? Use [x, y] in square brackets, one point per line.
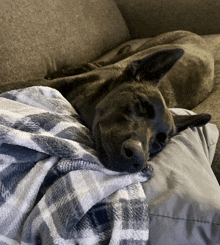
[130, 93]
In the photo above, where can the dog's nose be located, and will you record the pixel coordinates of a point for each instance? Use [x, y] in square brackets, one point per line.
[133, 153]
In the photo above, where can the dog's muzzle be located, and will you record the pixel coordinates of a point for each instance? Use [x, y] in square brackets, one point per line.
[133, 154]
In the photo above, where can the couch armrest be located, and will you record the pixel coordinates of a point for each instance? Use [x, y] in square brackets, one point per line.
[147, 18]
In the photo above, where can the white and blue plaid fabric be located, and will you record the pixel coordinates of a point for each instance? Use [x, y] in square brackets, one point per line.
[53, 189]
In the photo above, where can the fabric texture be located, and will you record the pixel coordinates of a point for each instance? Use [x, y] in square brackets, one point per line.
[53, 189]
[184, 195]
[38, 37]
[147, 18]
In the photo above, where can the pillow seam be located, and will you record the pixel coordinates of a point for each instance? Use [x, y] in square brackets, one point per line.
[188, 219]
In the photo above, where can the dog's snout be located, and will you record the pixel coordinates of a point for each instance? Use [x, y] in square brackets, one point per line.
[133, 153]
[130, 148]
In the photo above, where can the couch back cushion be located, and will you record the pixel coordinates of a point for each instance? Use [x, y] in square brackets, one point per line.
[44, 35]
[147, 18]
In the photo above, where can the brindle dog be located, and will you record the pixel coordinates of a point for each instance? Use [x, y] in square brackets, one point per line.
[131, 122]
[125, 110]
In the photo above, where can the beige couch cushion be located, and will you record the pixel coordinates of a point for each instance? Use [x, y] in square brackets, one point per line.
[147, 18]
[37, 36]
[212, 103]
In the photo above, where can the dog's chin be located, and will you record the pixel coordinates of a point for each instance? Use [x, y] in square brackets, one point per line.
[110, 164]
[118, 164]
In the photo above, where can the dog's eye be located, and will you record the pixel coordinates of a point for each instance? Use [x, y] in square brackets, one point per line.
[120, 120]
[158, 144]
[161, 137]
[128, 110]
[144, 108]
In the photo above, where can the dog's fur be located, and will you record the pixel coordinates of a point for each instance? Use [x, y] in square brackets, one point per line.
[124, 108]
[128, 115]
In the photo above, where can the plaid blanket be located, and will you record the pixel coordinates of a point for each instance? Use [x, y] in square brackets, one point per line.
[53, 189]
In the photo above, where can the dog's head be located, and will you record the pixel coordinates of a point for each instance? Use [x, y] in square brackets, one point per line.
[132, 123]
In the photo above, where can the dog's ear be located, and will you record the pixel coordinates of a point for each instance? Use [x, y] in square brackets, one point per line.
[154, 67]
[184, 121]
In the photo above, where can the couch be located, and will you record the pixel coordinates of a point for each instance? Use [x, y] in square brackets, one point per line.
[181, 200]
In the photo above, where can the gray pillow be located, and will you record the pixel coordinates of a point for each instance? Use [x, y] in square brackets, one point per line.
[184, 195]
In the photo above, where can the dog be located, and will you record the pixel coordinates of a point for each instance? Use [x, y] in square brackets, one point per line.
[126, 111]
[124, 107]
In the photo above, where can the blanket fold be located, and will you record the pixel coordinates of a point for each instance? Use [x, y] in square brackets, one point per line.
[53, 189]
